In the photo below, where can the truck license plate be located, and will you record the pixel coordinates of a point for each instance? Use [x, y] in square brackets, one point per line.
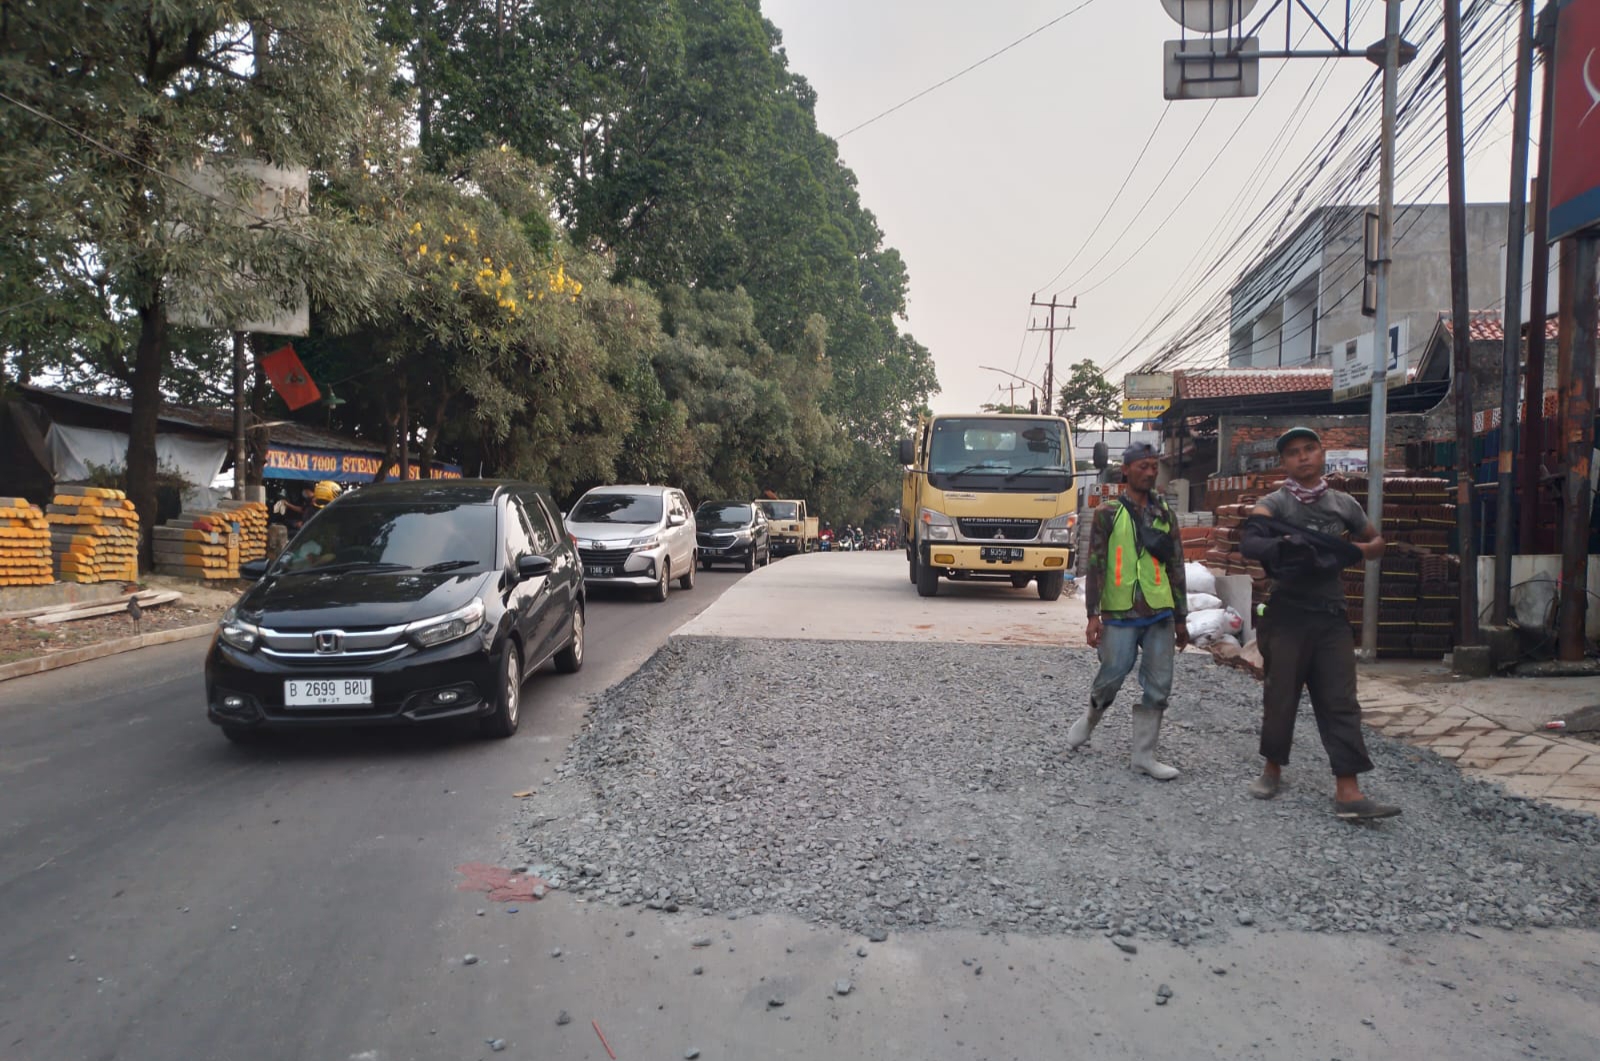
[327, 692]
[1004, 554]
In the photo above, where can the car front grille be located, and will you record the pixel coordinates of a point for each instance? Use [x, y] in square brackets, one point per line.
[990, 528]
[604, 557]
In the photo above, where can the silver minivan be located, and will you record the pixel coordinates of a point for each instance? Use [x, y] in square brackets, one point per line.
[635, 536]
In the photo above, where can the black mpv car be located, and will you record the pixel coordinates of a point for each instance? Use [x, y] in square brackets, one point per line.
[732, 532]
[402, 603]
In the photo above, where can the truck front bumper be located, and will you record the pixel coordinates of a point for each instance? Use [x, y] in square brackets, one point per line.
[1001, 559]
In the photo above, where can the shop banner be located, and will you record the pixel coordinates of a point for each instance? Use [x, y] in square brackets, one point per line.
[297, 462]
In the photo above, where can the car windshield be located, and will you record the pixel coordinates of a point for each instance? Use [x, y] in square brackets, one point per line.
[618, 508]
[350, 537]
[720, 514]
[780, 509]
[999, 448]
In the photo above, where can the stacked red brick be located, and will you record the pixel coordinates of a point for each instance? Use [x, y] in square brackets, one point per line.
[94, 535]
[200, 545]
[1419, 583]
[24, 544]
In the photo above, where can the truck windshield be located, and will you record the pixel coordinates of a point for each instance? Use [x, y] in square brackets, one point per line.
[780, 509]
[1028, 453]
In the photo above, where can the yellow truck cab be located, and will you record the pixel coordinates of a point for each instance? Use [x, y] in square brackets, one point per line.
[791, 529]
[990, 496]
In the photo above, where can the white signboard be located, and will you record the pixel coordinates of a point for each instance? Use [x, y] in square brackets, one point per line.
[1147, 385]
[1352, 362]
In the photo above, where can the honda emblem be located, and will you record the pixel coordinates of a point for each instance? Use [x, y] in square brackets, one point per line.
[328, 642]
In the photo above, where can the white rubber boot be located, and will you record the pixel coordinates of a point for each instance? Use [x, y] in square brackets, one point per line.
[1146, 731]
[1083, 729]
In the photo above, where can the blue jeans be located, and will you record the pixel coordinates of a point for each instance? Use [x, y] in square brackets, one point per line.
[1154, 646]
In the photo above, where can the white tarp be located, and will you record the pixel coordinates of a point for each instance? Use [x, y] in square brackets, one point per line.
[73, 449]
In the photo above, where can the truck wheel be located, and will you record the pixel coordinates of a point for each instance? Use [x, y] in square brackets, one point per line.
[1050, 584]
[927, 579]
[1020, 581]
[911, 565]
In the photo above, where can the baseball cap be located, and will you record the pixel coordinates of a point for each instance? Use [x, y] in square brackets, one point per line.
[1297, 432]
[1139, 451]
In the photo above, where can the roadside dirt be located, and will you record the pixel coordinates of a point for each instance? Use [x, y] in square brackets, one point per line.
[24, 639]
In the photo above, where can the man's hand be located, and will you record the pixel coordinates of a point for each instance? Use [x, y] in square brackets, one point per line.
[1372, 550]
[1093, 631]
[1182, 633]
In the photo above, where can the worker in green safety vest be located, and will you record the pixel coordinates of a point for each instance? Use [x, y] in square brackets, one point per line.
[1137, 606]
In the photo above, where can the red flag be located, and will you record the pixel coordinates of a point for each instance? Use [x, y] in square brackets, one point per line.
[290, 378]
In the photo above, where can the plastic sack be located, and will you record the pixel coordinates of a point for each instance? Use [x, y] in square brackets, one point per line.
[1213, 623]
[1199, 578]
[1203, 602]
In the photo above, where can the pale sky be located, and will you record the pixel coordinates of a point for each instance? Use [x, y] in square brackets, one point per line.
[991, 184]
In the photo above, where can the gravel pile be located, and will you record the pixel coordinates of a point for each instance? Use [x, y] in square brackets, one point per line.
[882, 786]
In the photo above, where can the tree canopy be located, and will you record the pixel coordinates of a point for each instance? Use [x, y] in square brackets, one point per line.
[1087, 396]
[572, 242]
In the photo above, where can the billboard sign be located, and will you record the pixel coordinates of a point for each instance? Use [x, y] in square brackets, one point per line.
[1136, 410]
[1147, 385]
[1575, 139]
[1352, 362]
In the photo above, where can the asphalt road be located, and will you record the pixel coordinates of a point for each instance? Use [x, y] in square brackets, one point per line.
[164, 894]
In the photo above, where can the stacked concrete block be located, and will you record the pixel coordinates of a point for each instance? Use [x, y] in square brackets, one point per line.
[24, 544]
[202, 545]
[94, 535]
[252, 519]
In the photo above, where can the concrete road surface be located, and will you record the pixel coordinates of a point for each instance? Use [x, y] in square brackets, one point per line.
[166, 896]
[869, 597]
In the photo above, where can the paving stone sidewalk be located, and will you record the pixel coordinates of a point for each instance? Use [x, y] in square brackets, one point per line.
[1557, 769]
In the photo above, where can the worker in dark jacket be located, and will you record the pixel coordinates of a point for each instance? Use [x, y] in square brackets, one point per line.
[1136, 600]
[1298, 533]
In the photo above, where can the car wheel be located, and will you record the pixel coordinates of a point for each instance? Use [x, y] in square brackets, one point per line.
[570, 659]
[766, 556]
[750, 561]
[243, 734]
[663, 584]
[1050, 584]
[687, 581]
[1020, 581]
[508, 697]
[927, 579]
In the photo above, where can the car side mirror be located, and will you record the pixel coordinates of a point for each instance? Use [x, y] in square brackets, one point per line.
[908, 451]
[254, 570]
[533, 566]
[676, 520]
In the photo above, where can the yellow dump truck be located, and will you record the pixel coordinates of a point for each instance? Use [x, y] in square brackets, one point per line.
[989, 496]
[792, 530]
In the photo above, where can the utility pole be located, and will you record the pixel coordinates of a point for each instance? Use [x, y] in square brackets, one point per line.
[1511, 365]
[1460, 316]
[1377, 437]
[1051, 329]
[1539, 297]
[1580, 307]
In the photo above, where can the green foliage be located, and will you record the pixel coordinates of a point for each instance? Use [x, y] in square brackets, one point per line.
[1087, 396]
[576, 242]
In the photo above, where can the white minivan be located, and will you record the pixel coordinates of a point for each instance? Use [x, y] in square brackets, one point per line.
[635, 536]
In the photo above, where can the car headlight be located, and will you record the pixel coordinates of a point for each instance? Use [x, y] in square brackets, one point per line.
[237, 633]
[426, 633]
[1059, 530]
[937, 526]
[649, 541]
[742, 537]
